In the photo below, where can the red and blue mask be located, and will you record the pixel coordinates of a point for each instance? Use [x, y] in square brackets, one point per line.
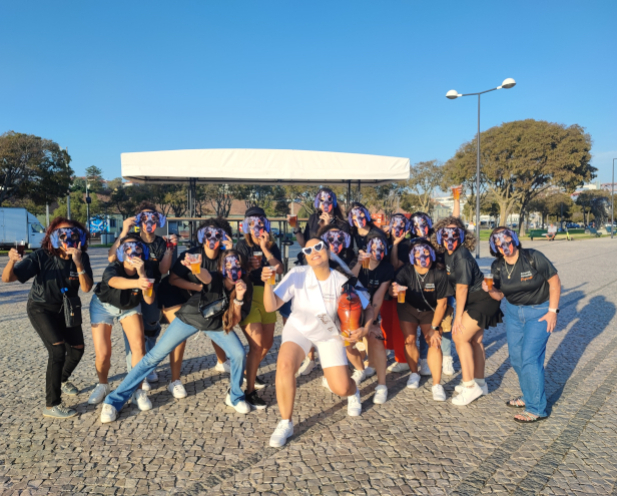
[132, 249]
[377, 248]
[232, 268]
[399, 225]
[67, 237]
[255, 226]
[421, 224]
[450, 237]
[421, 255]
[359, 217]
[150, 221]
[325, 200]
[212, 237]
[504, 242]
[337, 240]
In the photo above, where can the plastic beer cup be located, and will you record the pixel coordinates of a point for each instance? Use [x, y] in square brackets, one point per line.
[258, 255]
[193, 260]
[148, 292]
[21, 248]
[293, 220]
[456, 192]
[272, 279]
[366, 262]
[489, 281]
[401, 294]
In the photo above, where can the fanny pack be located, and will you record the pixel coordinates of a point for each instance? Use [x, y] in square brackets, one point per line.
[72, 309]
[215, 308]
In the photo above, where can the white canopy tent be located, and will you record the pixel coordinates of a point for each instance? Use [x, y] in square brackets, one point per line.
[260, 166]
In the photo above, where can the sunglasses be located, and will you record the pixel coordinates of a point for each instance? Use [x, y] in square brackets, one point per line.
[318, 247]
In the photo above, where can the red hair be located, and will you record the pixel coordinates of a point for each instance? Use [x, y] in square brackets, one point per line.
[53, 225]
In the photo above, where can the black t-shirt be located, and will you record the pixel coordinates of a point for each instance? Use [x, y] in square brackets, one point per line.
[124, 299]
[462, 268]
[157, 251]
[211, 265]
[51, 274]
[433, 286]
[372, 279]
[247, 251]
[190, 314]
[360, 241]
[528, 281]
[313, 226]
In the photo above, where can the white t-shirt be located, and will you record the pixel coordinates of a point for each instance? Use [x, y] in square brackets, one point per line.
[311, 298]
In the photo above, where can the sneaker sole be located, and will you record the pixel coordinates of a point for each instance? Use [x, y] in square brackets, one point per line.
[274, 445]
[56, 417]
[257, 407]
[231, 406]
[259, 387]
[71, 393]
[96, 402]
[107, 421]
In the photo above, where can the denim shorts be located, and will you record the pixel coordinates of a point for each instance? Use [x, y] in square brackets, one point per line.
[104, 313]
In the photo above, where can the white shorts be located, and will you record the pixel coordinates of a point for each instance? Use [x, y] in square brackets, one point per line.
[331, 353]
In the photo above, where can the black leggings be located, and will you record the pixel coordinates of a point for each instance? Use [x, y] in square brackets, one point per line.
[63, 357]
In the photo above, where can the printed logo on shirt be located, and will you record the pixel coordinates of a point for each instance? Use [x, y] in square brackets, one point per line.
[448, 269]
[429, 287]
[73, 276]
[526, 276]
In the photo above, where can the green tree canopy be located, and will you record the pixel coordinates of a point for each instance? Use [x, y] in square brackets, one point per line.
[425, 178]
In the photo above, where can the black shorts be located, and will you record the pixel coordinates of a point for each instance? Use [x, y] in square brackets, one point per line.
[407, 313]
[169, 296]
[483, 309]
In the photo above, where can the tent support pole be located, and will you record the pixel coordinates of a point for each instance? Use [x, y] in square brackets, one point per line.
[348, 194]
[191, 194]
[359, 195]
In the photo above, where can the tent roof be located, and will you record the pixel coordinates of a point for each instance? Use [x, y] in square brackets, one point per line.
[260, 166]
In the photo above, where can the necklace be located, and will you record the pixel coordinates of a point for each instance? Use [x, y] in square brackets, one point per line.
[509, 272]
[421, 278]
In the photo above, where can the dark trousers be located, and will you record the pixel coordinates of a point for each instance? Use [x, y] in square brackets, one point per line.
[60, 342]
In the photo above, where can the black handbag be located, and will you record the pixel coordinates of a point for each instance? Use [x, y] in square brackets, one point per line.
[72, 309]
[215, 308]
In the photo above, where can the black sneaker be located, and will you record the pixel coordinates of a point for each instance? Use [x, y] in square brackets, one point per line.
[255, 401]
[259, 384]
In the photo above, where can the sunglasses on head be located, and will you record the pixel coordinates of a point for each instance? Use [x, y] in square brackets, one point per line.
[309, 249]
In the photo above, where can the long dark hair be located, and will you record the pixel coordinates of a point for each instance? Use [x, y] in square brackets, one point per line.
[53, 225]
[229, 317]
[337, 212]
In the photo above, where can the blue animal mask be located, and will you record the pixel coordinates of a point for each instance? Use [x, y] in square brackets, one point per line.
[377, 247]
[450, 237]
[399, 225]
[421, 255]
[255, 226]
[421, 224]
[67, 237]
[337, 240]
[130, 249]
[359, 217]
[504, 241]
[325, 200]
[232, 268]
[212, 237]
[150, 220]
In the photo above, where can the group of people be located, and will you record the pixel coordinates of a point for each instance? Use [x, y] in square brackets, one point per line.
[409, 275]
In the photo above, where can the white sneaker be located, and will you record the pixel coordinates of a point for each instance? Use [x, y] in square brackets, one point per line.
[358, 376]
[423, 368]
[324, 383]
[145, 385]
[398, 367]
[369, 372]
[381, 395]
[307, 367]
[460, 387]
[414, 381]
[467, 395]
[141, 399]
[152, 377]
[439, 394]
[240, 407]
[177, 389]
[108, 414]
[99, 393]
[354, 405]
[284, 430]
[223, 368]
[447, 366]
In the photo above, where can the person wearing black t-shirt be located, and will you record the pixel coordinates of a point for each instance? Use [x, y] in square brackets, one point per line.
[475, 310]
[259, 248]
[530, 288]
[60, 267]
[426, 301]
[327, 213]
[361, 223]
[118, 296]
[213, 236]
[376, 279]
[161, 254]
[224, 300]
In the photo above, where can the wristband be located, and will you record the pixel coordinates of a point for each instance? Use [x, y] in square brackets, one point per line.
[434, 328]
[238, 302]
[81, 272]
[296, 231]
[554, 310]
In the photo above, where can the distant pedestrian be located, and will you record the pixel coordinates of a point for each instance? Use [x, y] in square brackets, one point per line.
[60, 268]
[529, 283]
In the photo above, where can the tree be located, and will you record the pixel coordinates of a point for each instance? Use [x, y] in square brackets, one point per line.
[385, 197]
[32, 168]
[220, 198]
[122, 197]
[78, 207]
[521, 159]
[596, 202]
[94, 178]
[424, 178]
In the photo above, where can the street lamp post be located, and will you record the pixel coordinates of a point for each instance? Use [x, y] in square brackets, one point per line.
[452, 95]
[88, 200]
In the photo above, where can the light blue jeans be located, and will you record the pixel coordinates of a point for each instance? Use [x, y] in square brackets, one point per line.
[152, 328]
[527, 340]
[446, 338]
[176, 333]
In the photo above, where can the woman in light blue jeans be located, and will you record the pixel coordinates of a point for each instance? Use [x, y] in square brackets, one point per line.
[224, 301]
[530, 287]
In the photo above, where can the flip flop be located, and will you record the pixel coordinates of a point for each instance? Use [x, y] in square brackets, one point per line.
[528, 418]
[516, 403]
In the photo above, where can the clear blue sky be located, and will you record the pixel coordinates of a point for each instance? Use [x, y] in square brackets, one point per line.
[361, 76]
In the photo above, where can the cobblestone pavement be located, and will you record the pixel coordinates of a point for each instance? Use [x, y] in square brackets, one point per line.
[410, 445]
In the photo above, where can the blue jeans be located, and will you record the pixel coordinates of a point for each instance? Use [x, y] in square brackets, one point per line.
[176, 333]
[527, 340]
[152, 328]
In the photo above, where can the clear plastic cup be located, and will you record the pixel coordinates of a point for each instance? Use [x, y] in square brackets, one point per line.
[194, 260]
[402, 290]
[489, 281]
[259, 256]
[272, 279]
[148, 292]
[456, 192]
[293, 220]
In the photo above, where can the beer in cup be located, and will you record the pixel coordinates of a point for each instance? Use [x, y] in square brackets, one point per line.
[259, 256]
[401, 293]
[489, 281]
[272, 279]
[148, 292]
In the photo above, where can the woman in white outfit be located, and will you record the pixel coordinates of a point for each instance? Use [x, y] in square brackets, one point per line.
[315, 289]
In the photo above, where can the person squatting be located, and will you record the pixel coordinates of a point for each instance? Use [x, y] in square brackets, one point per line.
[357, 291]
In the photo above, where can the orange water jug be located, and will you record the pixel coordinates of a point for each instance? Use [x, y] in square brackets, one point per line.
[349, 312]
